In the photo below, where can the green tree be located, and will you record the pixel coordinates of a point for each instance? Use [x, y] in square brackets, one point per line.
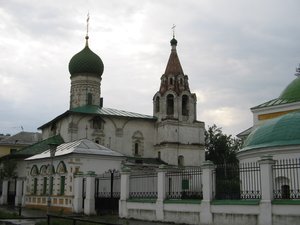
[220, 148]
[8, 168]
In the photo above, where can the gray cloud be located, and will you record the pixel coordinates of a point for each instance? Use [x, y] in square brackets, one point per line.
[237, 54]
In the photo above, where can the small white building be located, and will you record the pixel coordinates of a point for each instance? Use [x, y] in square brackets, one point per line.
[73, 158]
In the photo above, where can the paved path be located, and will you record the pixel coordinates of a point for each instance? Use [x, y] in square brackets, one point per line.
[114, 219]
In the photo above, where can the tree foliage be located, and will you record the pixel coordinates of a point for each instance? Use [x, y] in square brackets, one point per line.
[220, 148]
[8, 168]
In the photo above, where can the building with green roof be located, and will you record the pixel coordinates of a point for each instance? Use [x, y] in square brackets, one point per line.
[171, 134]
[276, 127]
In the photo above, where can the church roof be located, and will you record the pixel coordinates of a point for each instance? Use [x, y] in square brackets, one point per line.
[96, 110]
[83, 146]
[174, 66]
[86, 61]
[289, 95]
[281, 131]
[92, 109]
[39, 146]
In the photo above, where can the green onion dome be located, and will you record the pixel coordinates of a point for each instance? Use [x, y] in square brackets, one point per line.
[173, 42]
[292, 91]
[281, 131]
[86, 61]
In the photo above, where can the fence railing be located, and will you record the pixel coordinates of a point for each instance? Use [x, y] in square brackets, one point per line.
[143, 185]
[286, 177]
[184, 184]
[238, 181]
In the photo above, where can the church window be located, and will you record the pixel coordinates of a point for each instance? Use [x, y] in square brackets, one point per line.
[171, 81]
[35, 181]
[184, 105]
[97, 123]
[45, 186]
[62, 185]
[137, 144]
[180, 160]
[158, 155]
[157, 104]
[89, 99]
[51, 186]
[61, 168]
[53, 129]
[170, 104]
[136, 149]
[34, 171]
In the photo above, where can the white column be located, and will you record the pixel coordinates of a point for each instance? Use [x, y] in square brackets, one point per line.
[19, 187]
[78, 200]
[207, 189]
[89, 202]
[161, 192]
[24, 193]
[4, 192]
[124, 195]
[266, 174]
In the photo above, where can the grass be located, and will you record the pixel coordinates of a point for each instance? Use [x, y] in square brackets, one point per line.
[8, 215]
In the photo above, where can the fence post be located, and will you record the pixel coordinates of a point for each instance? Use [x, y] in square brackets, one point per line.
[208, 186]
[266, 174]
[4, 192]
[19, 186]
[77, 203]
[124, 195]
[161, 192]
[89, 202]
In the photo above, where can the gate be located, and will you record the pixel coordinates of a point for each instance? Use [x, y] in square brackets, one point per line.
[107, 192]
[11, 191]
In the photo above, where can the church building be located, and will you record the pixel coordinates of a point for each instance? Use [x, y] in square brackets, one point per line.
[172, 134]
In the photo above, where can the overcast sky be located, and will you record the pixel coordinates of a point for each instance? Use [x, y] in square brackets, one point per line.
[236, 53]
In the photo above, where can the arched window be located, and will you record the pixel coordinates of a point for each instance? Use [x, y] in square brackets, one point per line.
[137, 144]
[136, 149]
[34, 170]
[157, 104]
[170, 104]
[184, 105]
[171, 81]
[89, 99]
[180, 160]
[61, 168]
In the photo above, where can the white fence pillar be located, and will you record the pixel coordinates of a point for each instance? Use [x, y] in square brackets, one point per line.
[161, 193]
[89, 201]
[124, 195]
[208, 186]
[19, 191]
[24, 192]
[266, 173]
[4, 192]
[78, 200]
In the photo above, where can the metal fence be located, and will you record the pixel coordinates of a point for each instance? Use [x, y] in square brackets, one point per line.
[143, 185]
[238, 181]
[286, 177]
[184, 184]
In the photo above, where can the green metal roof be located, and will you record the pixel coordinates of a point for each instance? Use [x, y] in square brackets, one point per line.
[289, 95]
[86, 61]
[40, 147]
[292, 91]
[92, 109]
[281, 131]
[96, 110]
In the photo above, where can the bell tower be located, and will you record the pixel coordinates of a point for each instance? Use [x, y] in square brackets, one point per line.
[179, 136]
